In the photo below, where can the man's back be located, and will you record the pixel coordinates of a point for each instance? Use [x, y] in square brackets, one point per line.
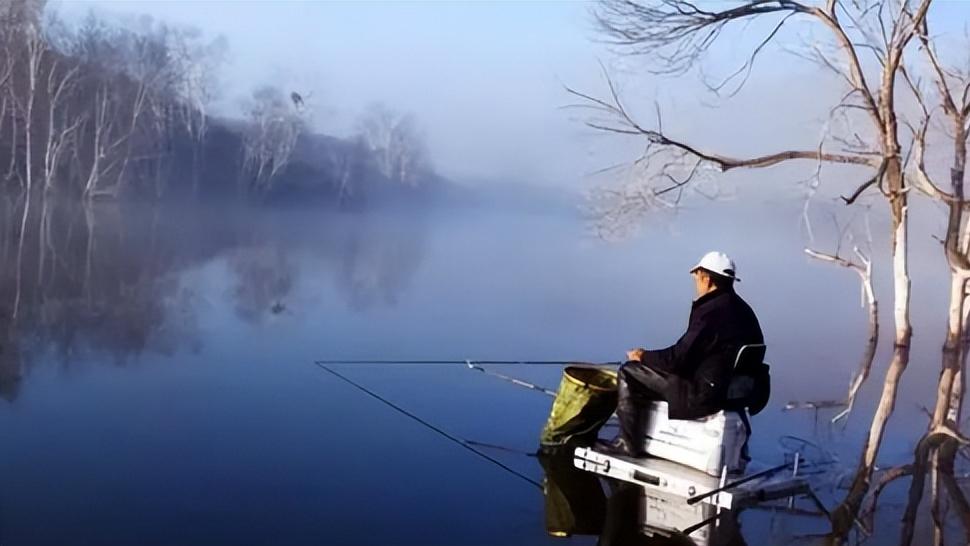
[721, 322]
[731, 321]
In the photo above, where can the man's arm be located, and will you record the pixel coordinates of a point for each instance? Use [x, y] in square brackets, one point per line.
[674, 358]
[671, 358]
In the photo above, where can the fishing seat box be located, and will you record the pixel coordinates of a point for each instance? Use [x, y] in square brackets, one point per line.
[707, 444]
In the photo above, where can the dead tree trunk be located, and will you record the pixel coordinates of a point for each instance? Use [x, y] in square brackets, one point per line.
[939, 455]
[60, 128]
[35, 49]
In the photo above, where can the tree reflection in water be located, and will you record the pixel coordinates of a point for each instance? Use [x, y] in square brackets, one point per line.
[264, 278]
[110, 279]
[378, 260]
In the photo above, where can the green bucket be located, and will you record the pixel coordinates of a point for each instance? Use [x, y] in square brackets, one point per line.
[585, 401]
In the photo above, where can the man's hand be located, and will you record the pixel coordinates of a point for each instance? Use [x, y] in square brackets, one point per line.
[635, 354]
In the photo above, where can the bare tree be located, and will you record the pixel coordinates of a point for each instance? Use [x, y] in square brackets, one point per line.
[6, 97]
[936, 450]
[35, 49]
[22, 13]
[196, 64]
[175, 70]
[6, 69]
[274, 127]
[348, 165]
[677, 33]
[119, 84]
[137, 92]
[61, 123]
[395, 144]
[195, 90]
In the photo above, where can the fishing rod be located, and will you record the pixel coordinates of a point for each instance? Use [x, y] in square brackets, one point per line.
[466, 361]
[463, 443]
[697, 498]
[510, 379]
[476, 365]
[613, 422]
[805, 490]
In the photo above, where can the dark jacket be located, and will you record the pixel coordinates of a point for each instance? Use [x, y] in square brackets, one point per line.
[702, 360]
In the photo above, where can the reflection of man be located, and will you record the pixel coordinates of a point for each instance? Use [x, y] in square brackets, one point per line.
[693, 374]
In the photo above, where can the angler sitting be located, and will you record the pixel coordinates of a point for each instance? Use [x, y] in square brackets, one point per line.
[694, 374]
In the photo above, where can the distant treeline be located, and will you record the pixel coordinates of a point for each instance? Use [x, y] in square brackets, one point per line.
[102, 111]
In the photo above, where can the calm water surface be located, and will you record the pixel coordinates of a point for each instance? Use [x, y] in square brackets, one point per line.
[159, 388]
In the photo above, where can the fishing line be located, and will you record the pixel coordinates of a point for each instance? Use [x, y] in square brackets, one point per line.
[464, 444]
[502, 448]
[466, 361]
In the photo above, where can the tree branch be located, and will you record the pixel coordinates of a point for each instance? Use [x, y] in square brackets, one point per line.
[876, 178]
[622, 122]
[890, 475]
[679, 32]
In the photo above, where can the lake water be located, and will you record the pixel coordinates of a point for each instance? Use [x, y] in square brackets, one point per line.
[159, 385]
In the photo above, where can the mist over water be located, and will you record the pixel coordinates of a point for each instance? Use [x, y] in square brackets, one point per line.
[159, 382]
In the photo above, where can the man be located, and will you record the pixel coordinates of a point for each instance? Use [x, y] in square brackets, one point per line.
[693, 374]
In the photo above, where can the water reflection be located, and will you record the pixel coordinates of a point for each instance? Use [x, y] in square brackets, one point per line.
[264, 279]
[378, 260]
[576, 504]
[109, 280]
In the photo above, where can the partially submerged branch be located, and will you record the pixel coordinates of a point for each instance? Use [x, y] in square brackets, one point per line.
[864, 271]
[867, 512]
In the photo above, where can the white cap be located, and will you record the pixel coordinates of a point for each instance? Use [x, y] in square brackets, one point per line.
[719, 263]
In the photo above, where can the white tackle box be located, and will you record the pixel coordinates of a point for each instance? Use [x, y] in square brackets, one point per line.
[707, 444]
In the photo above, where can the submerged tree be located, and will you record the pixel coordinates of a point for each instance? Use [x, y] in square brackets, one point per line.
[866, 46]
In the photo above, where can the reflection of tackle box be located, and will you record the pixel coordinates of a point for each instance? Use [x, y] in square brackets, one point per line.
[663, 514]
[656, 476]
[706, 444]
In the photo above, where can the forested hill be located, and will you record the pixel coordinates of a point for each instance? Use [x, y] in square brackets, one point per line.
[101, 111]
